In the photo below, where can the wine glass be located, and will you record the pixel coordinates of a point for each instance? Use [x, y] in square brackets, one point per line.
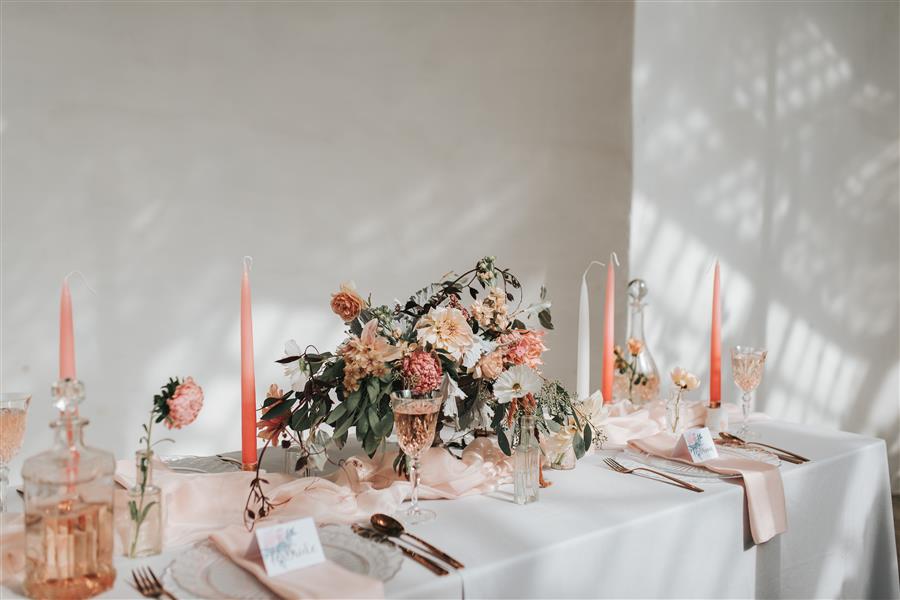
[13, 407]
[747, 369]
[415, 419]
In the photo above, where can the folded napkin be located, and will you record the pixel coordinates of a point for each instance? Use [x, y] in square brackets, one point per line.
[12, 548]
[325, 580]
[762, 482]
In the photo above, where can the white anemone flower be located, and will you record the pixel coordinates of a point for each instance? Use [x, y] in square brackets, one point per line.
[292, 370]
[684, 379]
[516, 382]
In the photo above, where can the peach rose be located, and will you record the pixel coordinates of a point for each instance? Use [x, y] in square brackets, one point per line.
[347, 303]
[490, 365]
[635, 346]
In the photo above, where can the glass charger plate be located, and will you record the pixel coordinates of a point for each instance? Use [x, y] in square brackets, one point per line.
[204, 572]
[632, 458]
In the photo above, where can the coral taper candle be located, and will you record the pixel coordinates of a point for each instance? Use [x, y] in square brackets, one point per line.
[66, 334]
[715, 347]
[609, 323]
[248, 378]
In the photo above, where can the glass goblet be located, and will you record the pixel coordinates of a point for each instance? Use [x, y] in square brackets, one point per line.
[13, 408]
[415, 421]
[747, 369]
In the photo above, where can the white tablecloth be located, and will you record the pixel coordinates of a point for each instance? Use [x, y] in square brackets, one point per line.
[596, 533]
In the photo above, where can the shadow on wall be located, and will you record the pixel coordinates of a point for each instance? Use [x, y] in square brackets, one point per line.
[381, 142]
[767, 136]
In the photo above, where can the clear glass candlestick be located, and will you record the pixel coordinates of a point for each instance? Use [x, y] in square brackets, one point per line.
[747, 369]
[415, 420]
[13, 409]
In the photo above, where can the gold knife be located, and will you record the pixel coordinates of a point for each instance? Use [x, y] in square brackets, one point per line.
[373, 535]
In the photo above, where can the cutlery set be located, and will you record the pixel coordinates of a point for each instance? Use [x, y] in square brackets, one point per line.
[725, 439]
[388, 530]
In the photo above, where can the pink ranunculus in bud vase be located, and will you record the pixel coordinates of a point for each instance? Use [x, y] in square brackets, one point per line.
[184, 404]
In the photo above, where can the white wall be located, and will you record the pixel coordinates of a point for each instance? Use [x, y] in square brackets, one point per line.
[153, 145]
[766, 134]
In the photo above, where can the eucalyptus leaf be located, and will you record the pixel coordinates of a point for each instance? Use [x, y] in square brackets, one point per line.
[588, 434]
[578, 445]
[503, 442]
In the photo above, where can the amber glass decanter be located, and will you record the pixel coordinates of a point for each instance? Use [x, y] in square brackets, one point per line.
[68, 509]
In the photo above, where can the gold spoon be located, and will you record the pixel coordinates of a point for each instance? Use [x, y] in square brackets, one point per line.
[390, 526]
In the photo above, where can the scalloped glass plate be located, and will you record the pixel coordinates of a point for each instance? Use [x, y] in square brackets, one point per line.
[632, 457]
[203, 572]
[199, 464]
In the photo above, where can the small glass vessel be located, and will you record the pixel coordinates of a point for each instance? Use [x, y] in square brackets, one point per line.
[13, 409]
[293, 465]
[144, 509]
[68, 509]
[526, 462]
[636, 378]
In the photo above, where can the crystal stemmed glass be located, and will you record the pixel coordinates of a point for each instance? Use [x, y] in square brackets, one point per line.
[747, 369]
[415, 420]
[13, 408]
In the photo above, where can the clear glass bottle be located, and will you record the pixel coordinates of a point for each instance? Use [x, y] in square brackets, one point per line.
[144, 509]
[640, 381]
[526, 462]
[68, 509]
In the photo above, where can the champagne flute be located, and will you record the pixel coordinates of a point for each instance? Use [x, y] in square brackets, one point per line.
[415, 419]
[747, 369]
[13, 408]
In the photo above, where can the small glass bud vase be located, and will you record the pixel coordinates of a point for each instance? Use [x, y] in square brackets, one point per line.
[296, 462]
[674, 412]
[145, 509]
[559, 453]
[526, 462]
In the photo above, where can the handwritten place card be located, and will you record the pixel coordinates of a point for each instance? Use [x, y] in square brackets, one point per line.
[288, 546]
[699, 444]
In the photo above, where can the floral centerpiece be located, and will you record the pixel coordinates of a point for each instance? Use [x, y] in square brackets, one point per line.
[471, 332]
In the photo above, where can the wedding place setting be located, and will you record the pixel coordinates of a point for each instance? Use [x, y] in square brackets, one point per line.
[384, 466]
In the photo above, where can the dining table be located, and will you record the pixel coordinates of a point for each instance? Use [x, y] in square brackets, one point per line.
[597, 533]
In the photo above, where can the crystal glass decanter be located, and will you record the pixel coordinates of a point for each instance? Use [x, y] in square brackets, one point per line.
[144, 509]
[526, 462]
[68, 509]
[637, 378]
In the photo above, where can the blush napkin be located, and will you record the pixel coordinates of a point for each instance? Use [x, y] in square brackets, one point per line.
[325, 580]
[762, 482]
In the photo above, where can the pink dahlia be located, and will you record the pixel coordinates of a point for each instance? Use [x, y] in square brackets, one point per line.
[184, 405]
[422, 371]
[523, 347]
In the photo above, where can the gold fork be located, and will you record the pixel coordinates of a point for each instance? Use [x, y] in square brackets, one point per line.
[620, 468]
[148, 585]
[730, 436]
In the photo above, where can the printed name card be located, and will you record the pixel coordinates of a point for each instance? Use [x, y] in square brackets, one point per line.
[698, 443]
[288, 546]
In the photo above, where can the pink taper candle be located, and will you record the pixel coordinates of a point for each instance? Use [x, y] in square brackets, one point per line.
[66, 334]
[715, 347]
[248, 378]
[609, 323]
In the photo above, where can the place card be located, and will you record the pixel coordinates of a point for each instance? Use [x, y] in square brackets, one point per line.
[289, 546]
[697, 442]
